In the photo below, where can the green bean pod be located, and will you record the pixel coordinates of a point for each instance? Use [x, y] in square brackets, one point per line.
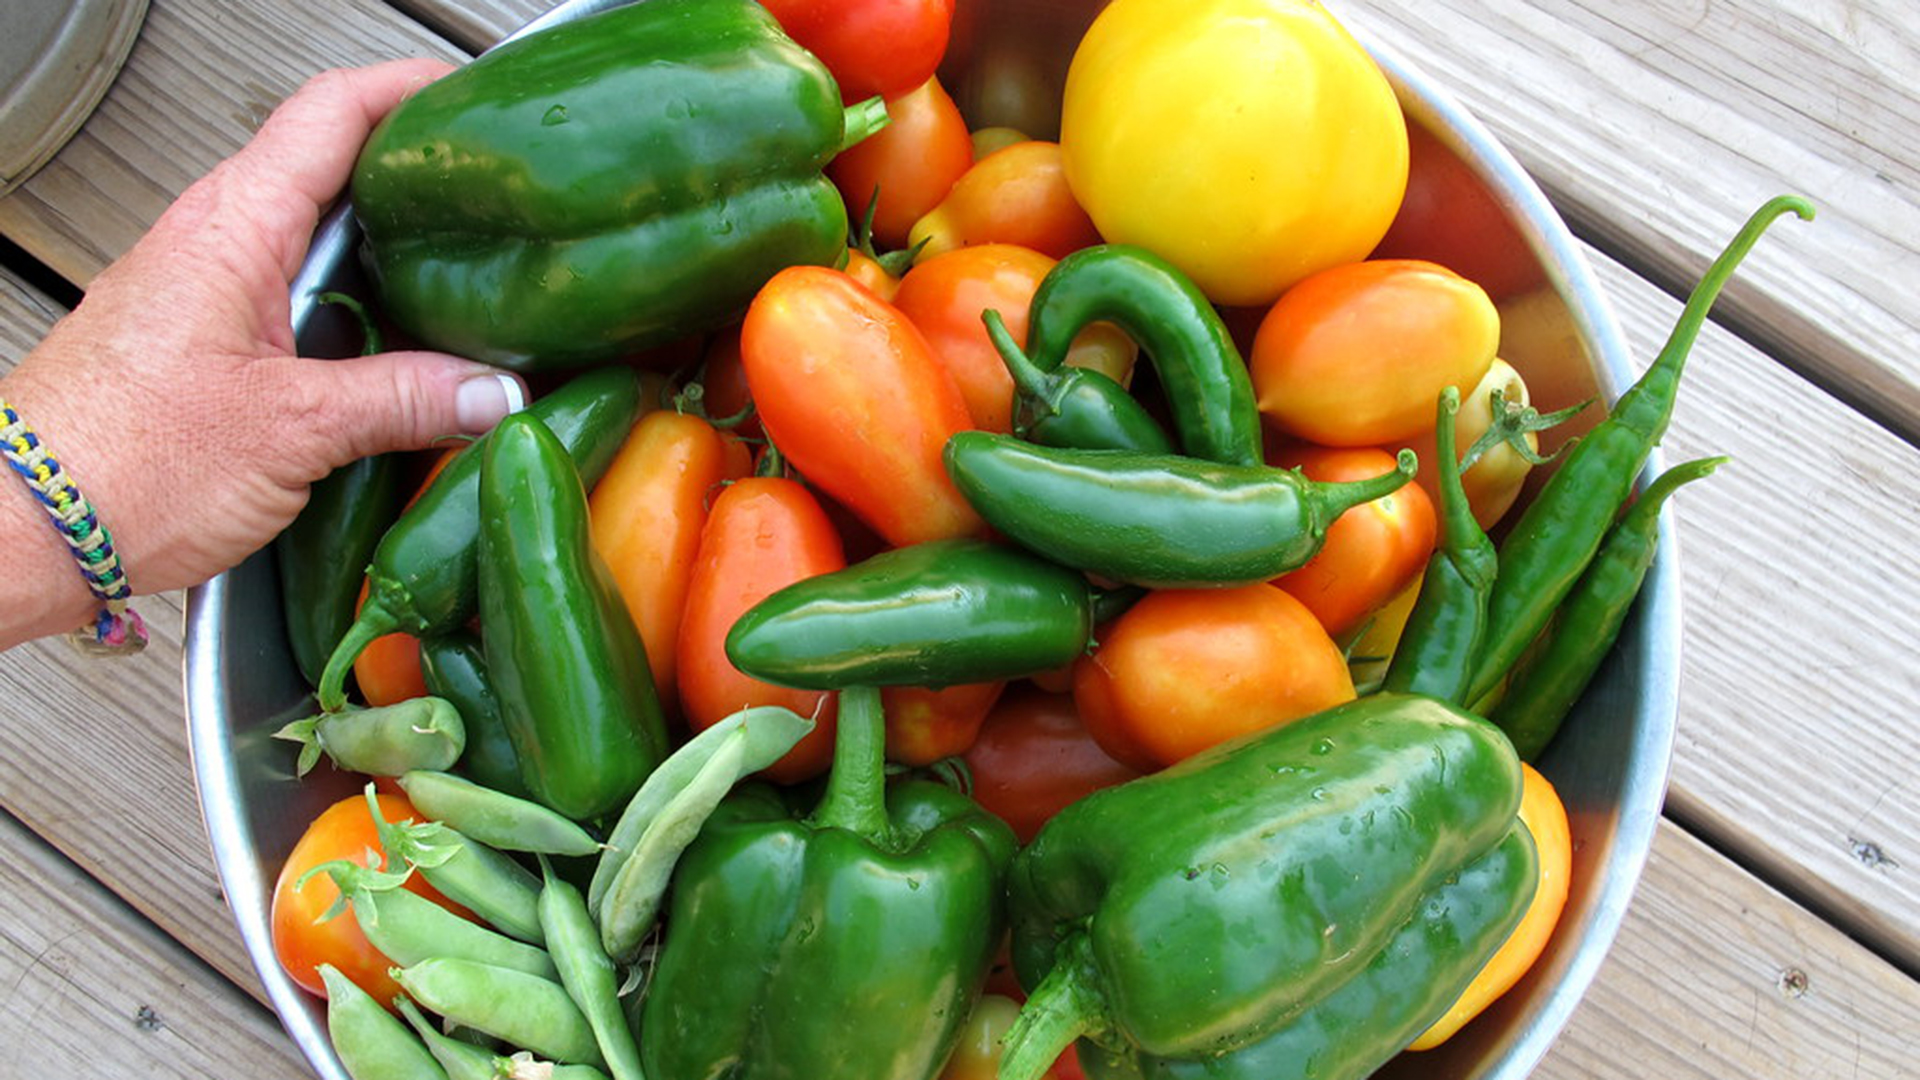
[1561, 528]
[522, 1010]
[1073, 406]
[1153, 519]
[1550, 677]
[370, 1041]
[588, 972]
[384, 740]
[482, 879]
[454, 666]
[496, 818]
[408, 928]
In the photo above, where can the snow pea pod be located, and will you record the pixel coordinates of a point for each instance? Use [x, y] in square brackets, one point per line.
[523, 1010]
[385, 740]
[408, 928]
[370, 1041]
[587, 972]
[482, 879]
[494, 817]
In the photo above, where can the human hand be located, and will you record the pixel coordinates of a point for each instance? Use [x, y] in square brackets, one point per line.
[172, 394]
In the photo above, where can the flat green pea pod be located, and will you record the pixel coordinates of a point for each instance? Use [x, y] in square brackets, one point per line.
[384, 740]
[1073, 406]
[1156, 520]
[618, 181]
[1553, 674]
[370, 1041]
[408, 928]
[495, 818]
[938, 613]
[668, 811]
[462, 1060]
[522, 1010]
[1196, 910]
[480, 878]
[1371, 1017]
[587, 972]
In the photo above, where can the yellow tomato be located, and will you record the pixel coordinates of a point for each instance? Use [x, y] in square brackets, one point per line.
[1249, 142]
[1494, 482]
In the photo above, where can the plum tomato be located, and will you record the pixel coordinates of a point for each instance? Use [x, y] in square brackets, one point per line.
[906, 168]
[1033, 756]
[1372, 551]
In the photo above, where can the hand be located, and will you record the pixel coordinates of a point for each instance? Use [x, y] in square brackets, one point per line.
[172, 394]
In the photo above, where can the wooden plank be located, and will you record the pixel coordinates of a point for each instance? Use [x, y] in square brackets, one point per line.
[200, 79]
[93, 752]
[89, 988]
[1714, 975]
[1650, 123]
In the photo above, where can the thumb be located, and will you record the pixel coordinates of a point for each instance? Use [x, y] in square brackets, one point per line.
[409, 400]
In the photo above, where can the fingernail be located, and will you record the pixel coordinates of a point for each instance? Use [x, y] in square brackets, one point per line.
[483, 400]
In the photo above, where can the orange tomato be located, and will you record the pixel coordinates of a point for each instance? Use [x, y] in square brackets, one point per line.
[869, 271]
[911, 163]
[1015, 195]
[944, 297]
[1185, 669]
[1357, 355]
[343, 831]
[1546, 818]
[388, 669]
[926, 724]
[1372, 551]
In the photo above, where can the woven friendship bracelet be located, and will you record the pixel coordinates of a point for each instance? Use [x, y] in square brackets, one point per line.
[117, 628]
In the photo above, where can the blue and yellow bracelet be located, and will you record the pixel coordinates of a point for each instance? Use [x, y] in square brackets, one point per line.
[117, 628]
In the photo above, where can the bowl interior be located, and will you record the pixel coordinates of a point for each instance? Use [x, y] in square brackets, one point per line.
[1007, 63]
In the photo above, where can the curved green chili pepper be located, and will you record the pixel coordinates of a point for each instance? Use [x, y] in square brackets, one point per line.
[1441, 641]
[1154, 519]
[1550, 677]
[369, 1040]
[938, 613]
[1558, 533]
[1205, 378]
[571, 672]
[454, 666]
[424, 574]
[1073, 406]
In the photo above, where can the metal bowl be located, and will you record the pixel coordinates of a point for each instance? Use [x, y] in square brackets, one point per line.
[1610, 762]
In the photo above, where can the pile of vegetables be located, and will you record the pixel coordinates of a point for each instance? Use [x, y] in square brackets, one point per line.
[855, 662]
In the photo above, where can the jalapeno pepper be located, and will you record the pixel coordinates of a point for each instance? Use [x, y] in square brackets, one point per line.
[849, 942]
[605, 184]
[1154, 519]
[455, 668]
[574, 687]
[1073, 406]
[422, 578]
[936, 614]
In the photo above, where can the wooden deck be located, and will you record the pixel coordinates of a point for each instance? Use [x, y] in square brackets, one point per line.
[1776, 932]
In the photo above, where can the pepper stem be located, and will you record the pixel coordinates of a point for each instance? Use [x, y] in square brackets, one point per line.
[856, 798]
[1336, 498]
[372, 622]
[1032, 383]
[863, 118]
[1062, 1008]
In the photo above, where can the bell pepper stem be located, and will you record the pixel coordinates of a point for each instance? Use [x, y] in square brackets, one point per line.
[863, 119]
[1062, 1008]
[856, 797]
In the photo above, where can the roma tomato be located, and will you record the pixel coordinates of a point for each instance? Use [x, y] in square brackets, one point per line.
[925, 724]
[1170, 123]
[906, 168]
[723, 396]
[1185, 669]
[302, 942]
[884, 47]
[849, 390]
[944, 296]
[1016, 195]
[645, 517]
[1372, 551]
[762, 534]
[1033, 756]
[1358, 354]
[871, 272]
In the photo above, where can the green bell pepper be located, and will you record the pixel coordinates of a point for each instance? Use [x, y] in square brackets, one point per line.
[606, 184]
[1192, 912]
[569, 669]
[850, 943]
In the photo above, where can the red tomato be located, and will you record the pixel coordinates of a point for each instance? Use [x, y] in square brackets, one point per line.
[944, 297]
[925, 725]
[911, 163]
[852, 394]
[346, 831]
[1449, 216]
[1358, 355]
[645, 517]
[1185, 669]
[1015, 195]
[762, 534]
[1372, 551]
[1033, 757]
[884, 47]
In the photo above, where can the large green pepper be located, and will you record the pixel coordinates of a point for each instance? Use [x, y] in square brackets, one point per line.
[849, 943]
[422, 578]
[575, 691]
[933, 614]
[605, 184]
[1192, 912]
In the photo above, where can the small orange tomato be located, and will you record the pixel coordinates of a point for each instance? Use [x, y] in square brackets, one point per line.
[1185, 669]
[388, 670]
[925, 725]
[1357, 355]
[1494, 482]
[944, 297]
[1015, 195]
[911, 163]
[1546, 818]
[1371, 551]
[868, 271]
